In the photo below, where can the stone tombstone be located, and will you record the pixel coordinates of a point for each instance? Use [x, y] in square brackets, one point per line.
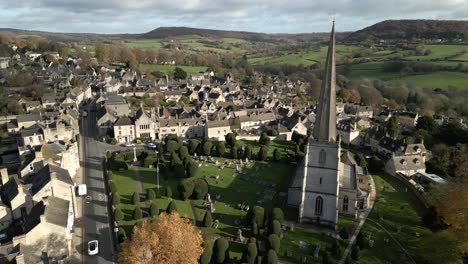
[398, 228]
[216, 223]
[240, 238]
[316, 250]
[371, 243]
[292, 227]
[208, 198]
[304, 259]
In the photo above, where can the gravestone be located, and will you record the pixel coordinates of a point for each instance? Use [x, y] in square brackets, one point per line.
[316, 250]
[292, 227]
[371, 243]
[240, 238]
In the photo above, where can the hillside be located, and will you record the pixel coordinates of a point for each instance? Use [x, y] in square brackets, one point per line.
[67, 37]
[411, 29]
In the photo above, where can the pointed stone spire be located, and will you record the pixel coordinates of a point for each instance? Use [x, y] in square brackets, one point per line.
[325, 123]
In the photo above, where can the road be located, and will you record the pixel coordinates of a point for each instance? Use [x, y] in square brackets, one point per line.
[96, 220]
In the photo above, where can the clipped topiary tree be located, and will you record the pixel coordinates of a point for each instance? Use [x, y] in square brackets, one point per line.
[207, 219]
[112, 187]
[150, 194]
[247, 152]
[272, 257]
[276, 155]
[171, 207]
[264, 139]
[220, 149]
[221, 247]
[206, 148]
[251, 252]
[256, 214]
[179, 171]
[168, 191]
[115, 199]
[193, 146]
[137, 214]
[175, 160]
[154, 210]
[186, 188]
[230, 139]
[263, 153]
[172, 146]
[254, 229]
[274, 242]
[234, 150]
[191, 168]
[136, 198]
[277, 214]
[200, 188]
[183, 152]
[205, 258]
[118, 215]
[275, 227]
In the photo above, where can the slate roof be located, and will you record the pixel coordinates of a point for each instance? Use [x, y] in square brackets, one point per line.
[56, 211]
[28, 118]
[123, 121]
[217, 123]
[349, 177]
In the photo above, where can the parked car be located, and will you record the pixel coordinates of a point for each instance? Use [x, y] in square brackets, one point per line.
[129, 144]
[151, 145]
[93, 247]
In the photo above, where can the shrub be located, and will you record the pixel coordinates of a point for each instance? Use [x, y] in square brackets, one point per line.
[355, 252]
[220, 149]
[168, 191]
[256, 214]
[230, 139]
[193, 146]
[154, 210]
[172, 146]
[221, 247]
[272, 257]
[112, 187]
[175, 159]
[274, 242]
[150, 161]
[200, 188]
[207, 251]
[137, 214]
[179, 171]
[150, 195]
[234, 150]
[206, 148]
[254, 229]
[121, 235]
[115, 198]
[248, 152]
[251, 252]
[277, 214]
[118, 215]
[192, 168]
[263, 153]
[275, 227]
[264, 139]
[136, 198]
[207, 219]
[344, 233]
[276, 155]
[186, 189]
[171, 207]
[183, 152]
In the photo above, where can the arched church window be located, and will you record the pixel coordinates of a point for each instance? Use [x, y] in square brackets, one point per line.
[322, 157]
[318, 206]
[345, 203]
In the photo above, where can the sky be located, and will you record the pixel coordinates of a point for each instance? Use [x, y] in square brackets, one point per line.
[268, 16]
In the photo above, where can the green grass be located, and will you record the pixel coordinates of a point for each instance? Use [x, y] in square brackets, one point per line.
[440, 52]
[371, 70]
[170, 68]
[147, 43]
[463, 57]
[397, 208]
[439, 80]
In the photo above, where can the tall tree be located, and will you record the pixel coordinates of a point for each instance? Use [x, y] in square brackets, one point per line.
[392, 127]
[167, 239]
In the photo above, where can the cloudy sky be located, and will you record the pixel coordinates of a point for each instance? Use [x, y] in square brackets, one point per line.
[270, 16]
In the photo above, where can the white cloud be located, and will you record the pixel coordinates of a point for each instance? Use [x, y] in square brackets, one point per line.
[130, 16]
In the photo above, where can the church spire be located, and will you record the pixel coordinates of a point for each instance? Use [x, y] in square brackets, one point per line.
[325, 123]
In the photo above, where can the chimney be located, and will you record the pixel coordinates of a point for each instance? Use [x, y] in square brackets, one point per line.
[5, 177]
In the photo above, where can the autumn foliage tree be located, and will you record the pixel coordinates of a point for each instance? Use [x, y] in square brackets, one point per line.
[167, 239]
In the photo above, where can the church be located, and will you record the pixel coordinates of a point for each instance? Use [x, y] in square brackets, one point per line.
[324, 185]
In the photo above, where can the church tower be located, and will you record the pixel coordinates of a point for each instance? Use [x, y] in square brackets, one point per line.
[320, 180]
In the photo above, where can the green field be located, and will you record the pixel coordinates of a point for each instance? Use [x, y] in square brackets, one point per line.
[305, 58]
[146, 43]
[440, 52]
[170, 68]
[463, 57]
[439, 80]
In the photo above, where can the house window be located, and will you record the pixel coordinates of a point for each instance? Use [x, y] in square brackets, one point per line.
[318, 206]
[30, 139]
[345, 203]
[320, 180]
[40, 138]
[322, 157]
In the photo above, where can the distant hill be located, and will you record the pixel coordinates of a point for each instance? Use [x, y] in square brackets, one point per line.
[410, 29]
[67, 37]
[166, 32]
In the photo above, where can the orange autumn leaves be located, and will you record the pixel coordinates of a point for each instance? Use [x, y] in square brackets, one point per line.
[166, 239]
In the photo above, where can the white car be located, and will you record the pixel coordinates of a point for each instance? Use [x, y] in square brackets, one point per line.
[93, 247]
[129, 144]
[151, 145]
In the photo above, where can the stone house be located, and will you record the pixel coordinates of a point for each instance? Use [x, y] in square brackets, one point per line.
[217, 130]
[188, 127]
[32, 136]
[406, 165]
[124, 130]
[348, 133]
[146, 125]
